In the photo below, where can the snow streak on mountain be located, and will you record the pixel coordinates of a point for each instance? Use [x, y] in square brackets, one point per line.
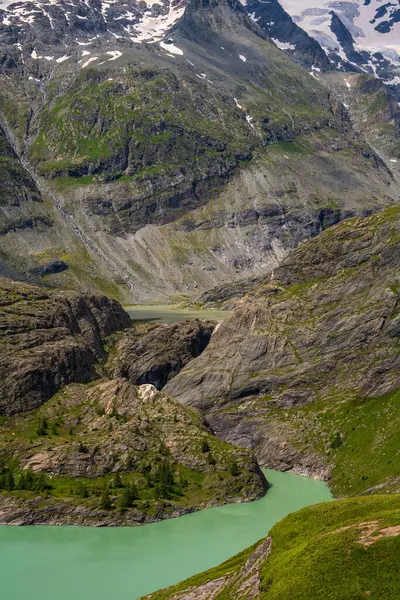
[138, 21]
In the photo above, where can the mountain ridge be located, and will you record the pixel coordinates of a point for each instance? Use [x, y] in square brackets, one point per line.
[140, 190]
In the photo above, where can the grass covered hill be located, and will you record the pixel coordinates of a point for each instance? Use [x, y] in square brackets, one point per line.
[345, 550]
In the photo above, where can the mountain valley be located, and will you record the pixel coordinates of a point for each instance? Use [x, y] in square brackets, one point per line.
[221, 154]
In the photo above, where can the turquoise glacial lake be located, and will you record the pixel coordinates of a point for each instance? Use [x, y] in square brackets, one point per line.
[79, 563]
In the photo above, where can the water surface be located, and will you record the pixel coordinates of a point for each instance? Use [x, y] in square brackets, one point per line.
[166, 313]
[78, 563]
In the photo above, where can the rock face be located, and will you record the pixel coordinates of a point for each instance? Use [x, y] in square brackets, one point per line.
[161, 353]
[49, 340]
[325, 323]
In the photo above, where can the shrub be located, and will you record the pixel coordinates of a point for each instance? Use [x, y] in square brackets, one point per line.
[337, 441]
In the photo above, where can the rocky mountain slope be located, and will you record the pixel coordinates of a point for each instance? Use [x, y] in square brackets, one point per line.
[165, 197]
[374, 112]
[319, 332]
[40, 242]
[347, 549]
[79, 443]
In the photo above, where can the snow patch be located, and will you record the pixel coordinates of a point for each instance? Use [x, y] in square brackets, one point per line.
[89, 60]
[284, 45]
[171, 48]
[153, 29]
[394, 81]
[114, 54]
[249, 120]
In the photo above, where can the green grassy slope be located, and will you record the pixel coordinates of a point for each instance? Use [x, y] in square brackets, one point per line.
[346, 550]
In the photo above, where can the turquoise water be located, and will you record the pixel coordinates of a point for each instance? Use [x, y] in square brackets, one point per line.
[166, 313]
[78, 563]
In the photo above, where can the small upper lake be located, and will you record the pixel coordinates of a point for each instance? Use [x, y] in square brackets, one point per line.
[65, 563]
[167, 313]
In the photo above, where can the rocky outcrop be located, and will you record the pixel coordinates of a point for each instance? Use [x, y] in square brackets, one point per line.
[161, 353]
[324, 324]
[50, 268]
[48, 340]
[86, 436]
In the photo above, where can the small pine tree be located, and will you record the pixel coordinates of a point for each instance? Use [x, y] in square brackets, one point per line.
[134, 492]
[82, 490]
[41, 484]
[160, 491]
[9, 481]
[164, 474]
[127, 498]
[105, 500]
[117, 482]
[205, 446]
[210, 459]
[22, 482]
[29, 480]
[234, 469]
[114, 413]
[42, 427]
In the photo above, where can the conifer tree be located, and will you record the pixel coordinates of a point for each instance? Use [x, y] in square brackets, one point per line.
[105, 501]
